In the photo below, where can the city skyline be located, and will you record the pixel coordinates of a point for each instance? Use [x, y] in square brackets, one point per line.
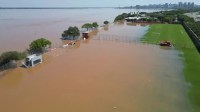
[84, 3]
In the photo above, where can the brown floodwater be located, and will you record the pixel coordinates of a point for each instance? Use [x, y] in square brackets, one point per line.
[109, 72]
[19, 27]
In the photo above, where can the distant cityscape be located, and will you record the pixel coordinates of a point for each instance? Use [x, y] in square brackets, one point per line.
[180, 5]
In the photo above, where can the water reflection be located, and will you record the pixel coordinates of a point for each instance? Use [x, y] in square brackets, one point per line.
[106, 27]
[119, 23]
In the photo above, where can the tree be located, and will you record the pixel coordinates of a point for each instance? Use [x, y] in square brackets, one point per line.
[125, 15]
[39, 45]
[71, 32]
[150, 19]
[106, 22]
[119, 18]
[185, 18]
[160, 17]
[143, 13]
[87, 26]
[144, 19]
[95, 24]
[168, 19]
[11, 55]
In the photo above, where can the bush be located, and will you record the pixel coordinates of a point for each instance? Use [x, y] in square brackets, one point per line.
[11, 55]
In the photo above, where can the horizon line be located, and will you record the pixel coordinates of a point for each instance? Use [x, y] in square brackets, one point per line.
[51, 7]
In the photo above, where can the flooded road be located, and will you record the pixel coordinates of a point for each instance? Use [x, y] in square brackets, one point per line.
[106, 73]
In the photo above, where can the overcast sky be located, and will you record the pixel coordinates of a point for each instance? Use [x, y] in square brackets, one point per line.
[84, 3]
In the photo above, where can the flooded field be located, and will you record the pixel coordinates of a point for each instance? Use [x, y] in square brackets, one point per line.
[109, 72]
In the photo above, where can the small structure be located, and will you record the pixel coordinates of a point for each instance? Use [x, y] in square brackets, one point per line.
[33, 60]
[85, 34]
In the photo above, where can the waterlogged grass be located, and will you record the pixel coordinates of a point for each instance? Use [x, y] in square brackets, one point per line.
[181, 41]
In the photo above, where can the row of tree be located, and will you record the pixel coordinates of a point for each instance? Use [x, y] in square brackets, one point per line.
[173, 16]
[90, 25]
[162, 16]
[41, 45]
[36, 46]
[72, 33]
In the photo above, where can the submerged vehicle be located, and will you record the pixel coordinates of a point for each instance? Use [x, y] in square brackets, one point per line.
[33, 60]
[165, 43]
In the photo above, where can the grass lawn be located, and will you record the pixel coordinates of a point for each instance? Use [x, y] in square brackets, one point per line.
[178, 36]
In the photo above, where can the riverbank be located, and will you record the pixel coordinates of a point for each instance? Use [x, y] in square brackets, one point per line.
[191, 58]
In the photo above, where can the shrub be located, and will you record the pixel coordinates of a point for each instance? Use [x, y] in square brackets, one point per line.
[11, 55]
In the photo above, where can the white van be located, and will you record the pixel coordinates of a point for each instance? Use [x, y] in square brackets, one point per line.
[33, 60]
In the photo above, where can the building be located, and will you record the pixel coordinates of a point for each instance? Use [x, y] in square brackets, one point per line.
[180, 4]
[166, 5]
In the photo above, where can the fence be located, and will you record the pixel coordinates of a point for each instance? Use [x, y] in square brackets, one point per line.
[193, 36]
[117, 38]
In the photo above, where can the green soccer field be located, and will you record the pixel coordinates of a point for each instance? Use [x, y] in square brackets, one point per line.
[182, 42]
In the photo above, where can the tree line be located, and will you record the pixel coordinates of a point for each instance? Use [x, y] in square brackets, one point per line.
[172, 17]
[41, 45]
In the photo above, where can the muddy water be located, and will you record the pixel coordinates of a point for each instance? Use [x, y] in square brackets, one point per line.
[106, 73]
[19, 27]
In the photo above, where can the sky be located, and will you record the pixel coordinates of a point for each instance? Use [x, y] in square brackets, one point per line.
[85, 3]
